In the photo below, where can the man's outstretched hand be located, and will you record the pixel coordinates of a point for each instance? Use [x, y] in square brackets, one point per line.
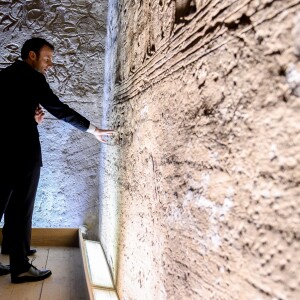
[100, 133]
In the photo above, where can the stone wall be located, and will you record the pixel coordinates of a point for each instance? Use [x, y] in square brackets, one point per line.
[204, 171]
[68, 191]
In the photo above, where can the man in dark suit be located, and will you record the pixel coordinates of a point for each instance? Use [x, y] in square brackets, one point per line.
[9, 213]
[23, 87]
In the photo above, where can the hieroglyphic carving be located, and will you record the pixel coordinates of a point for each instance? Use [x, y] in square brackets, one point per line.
[73, 26]
[19, 13]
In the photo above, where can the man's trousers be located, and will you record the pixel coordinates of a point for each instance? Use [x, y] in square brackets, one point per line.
[17, 196]
[8, 216]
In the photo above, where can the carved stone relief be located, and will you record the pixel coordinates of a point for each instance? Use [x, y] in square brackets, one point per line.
[74, 28]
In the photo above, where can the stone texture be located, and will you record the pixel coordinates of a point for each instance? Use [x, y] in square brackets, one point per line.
[203, 175]
[68, 191]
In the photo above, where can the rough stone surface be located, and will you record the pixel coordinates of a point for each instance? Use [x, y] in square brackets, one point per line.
[68, 191]
[204, 171]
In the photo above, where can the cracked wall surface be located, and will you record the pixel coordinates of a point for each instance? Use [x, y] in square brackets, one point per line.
[68, 191]
[204, 95]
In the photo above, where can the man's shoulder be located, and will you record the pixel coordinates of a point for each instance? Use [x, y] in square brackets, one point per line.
[22, 70]
[11, 68]
[5, 68]
[4, 73]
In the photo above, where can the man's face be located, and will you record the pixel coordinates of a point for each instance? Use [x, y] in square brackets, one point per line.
[43, 61]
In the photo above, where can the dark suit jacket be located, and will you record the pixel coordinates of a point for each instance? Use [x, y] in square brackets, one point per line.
[21, 90]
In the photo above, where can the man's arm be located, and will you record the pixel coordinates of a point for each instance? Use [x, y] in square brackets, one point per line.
[62, 111]
[98, 133]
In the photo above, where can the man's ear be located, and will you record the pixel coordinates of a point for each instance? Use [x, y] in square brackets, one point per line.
[32, 55]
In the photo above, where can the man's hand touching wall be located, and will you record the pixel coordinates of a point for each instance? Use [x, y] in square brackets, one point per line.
[100, 133]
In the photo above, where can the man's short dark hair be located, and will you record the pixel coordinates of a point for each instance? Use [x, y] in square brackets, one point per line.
[35, 45]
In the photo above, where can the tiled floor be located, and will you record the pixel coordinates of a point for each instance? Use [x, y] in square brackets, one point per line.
[66, 283]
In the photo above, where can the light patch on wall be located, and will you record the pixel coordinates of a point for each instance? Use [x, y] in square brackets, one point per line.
[273, 151]
[214, 157]
[109, 155]
[211, 240]
[109, 215]
[205, 180]
[144, 112]
[293, 79]
[216, 214]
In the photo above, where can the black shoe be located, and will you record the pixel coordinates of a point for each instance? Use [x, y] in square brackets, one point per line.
[29, 253]
[33, 274]
[4, 270]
